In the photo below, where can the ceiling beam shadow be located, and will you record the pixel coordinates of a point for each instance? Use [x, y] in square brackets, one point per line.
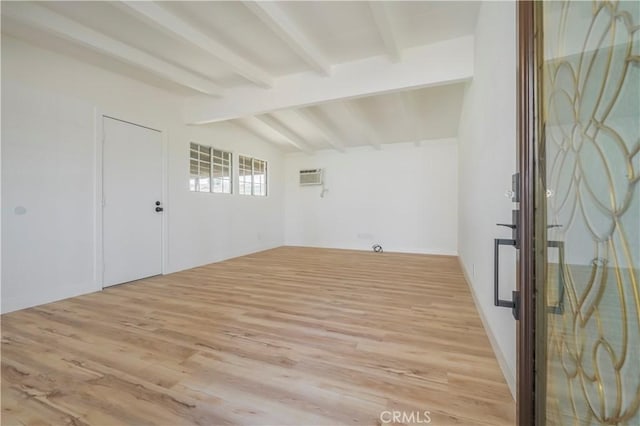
[385, 29]
[52, 22]
[272, 15]
[177, 27]
[327, 133]
[292, 137]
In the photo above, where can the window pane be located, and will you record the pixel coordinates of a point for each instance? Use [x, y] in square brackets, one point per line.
[199, 170]
[204, 184]
[258, 185]
[252, 176]
[217, 185]
[244, 175]
[193, 168]
[210, 169]
[260, 177]
[244, 185]
[218, 171]
[221, 170]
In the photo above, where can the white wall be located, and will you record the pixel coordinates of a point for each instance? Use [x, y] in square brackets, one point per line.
[402, 197]
[48, 168]
[487, 159]
[206, 227]
[47, 193]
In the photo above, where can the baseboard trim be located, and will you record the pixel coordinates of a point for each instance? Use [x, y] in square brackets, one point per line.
[509, 375]
[367, 247]
[252, 250]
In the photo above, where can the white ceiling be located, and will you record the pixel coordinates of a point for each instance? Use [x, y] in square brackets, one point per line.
[210, 51]
[409, 116]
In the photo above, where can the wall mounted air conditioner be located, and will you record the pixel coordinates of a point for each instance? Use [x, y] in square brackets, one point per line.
[310, 177]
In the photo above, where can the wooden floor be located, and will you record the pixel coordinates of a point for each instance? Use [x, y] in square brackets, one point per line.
[288, 336]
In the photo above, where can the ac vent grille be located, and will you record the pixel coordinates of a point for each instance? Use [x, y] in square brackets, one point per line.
[311, 177]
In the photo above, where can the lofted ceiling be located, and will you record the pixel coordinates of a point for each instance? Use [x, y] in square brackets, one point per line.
[302, 75]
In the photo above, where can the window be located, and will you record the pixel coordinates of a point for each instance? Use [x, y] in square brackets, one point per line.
[200, 168]
[244, 175]
[209, 169]
[252, 176]
[259, 177]
[221, 173]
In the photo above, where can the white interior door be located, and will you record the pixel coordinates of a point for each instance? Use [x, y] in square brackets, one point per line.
[132, 208]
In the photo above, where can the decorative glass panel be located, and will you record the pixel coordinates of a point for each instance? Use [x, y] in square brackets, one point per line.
[588, 360]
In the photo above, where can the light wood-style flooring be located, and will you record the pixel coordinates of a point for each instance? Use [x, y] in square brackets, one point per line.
[295, 336]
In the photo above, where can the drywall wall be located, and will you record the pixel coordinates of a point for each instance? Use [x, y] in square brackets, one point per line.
[49, 131]
[402, 196]
[47, 192]
[207, 227]
[487, 159]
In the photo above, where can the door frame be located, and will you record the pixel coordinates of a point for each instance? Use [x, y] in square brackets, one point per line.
[528, 112]
[99, 137]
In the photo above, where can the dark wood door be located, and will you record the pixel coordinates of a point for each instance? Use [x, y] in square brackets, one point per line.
[579, 333]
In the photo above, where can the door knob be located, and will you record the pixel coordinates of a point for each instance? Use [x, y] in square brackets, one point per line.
[159, 209]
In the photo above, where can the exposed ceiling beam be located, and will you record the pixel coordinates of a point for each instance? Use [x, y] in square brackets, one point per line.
[178, 27]
[242, 124]
[327, 133]
[292, 137]
[437, 64]
[45, 19]
[358, 116]
[385, 29]
[272, 15]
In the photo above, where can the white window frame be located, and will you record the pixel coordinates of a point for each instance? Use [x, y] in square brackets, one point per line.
[265, 185]
[194, 180]
[228, 168]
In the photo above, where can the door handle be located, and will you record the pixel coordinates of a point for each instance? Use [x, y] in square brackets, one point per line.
[159, 209]
[514, 303]
[559, 308]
